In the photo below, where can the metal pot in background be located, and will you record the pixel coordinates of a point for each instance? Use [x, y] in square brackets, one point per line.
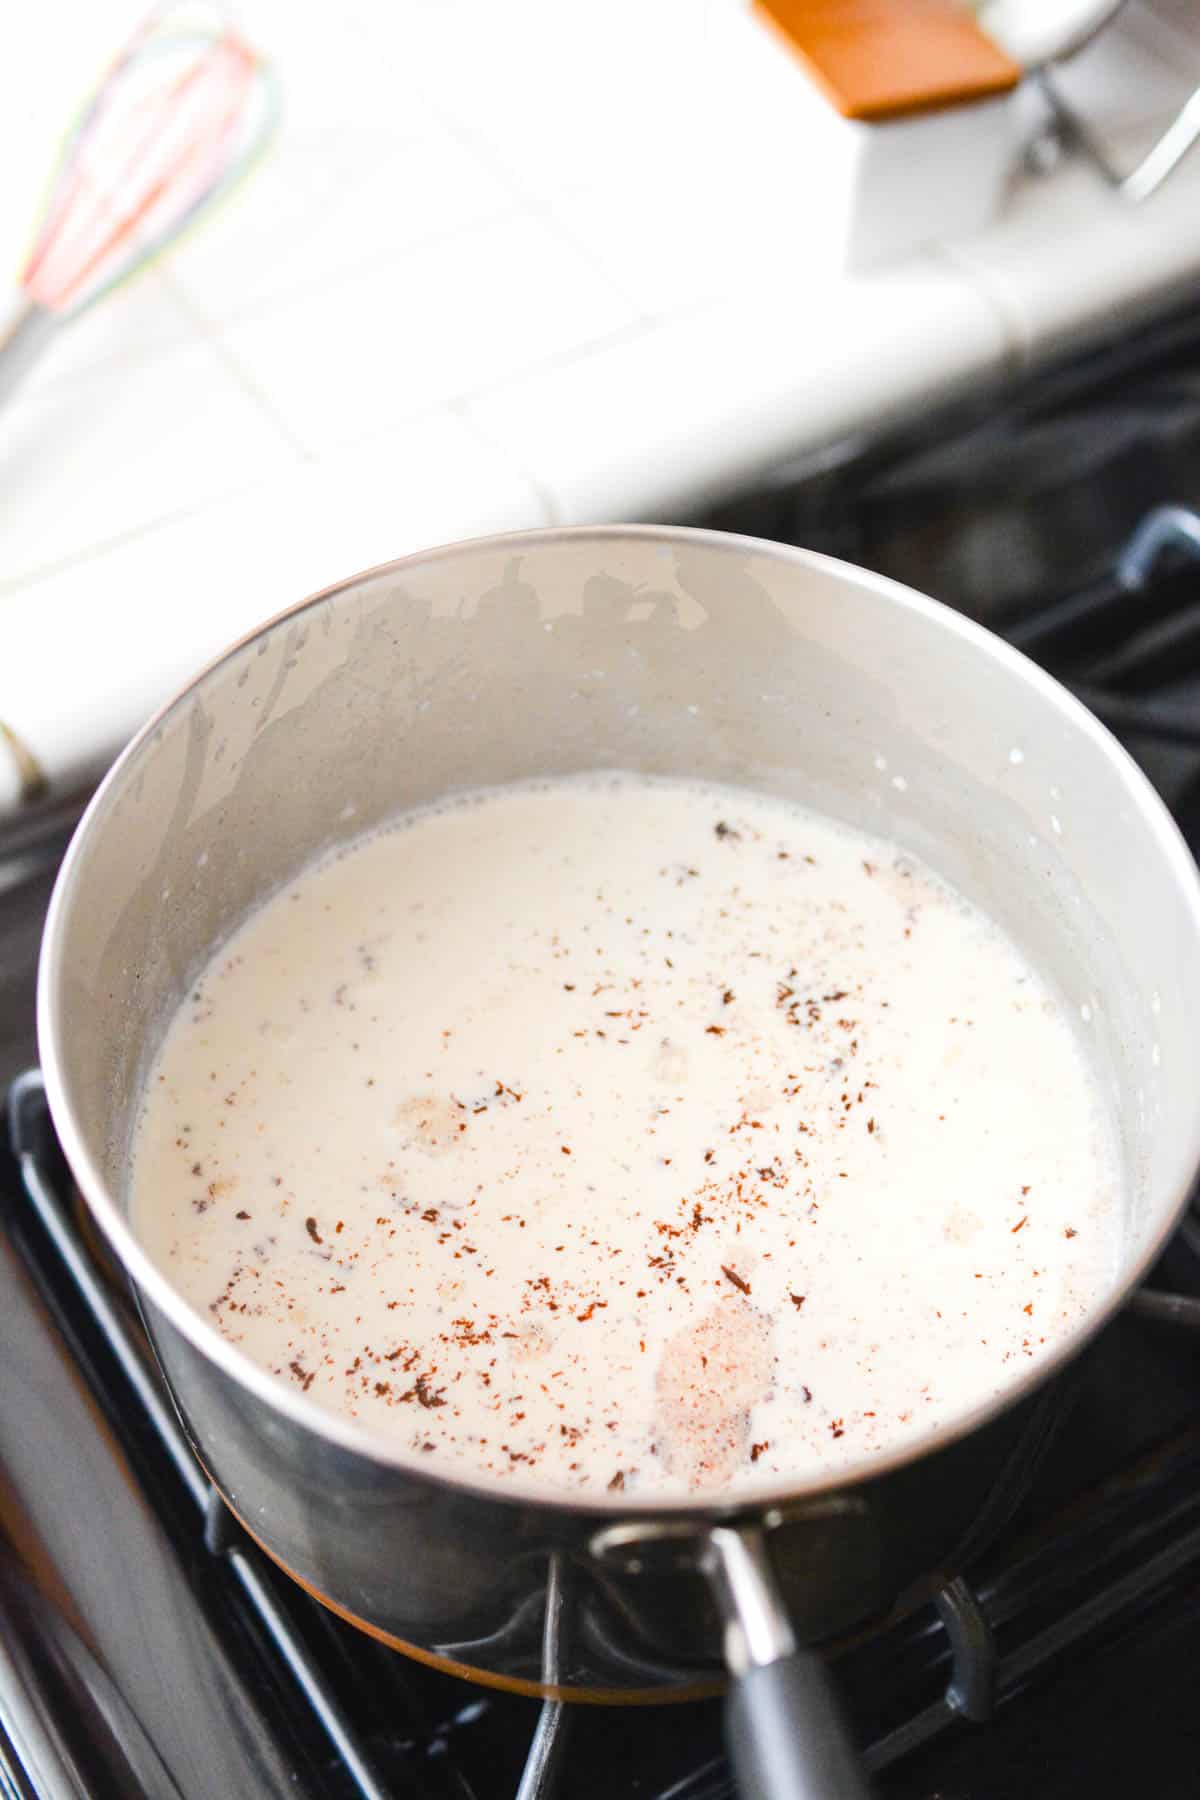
[673, 652]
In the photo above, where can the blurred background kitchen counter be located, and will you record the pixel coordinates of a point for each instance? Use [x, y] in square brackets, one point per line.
[504, 266]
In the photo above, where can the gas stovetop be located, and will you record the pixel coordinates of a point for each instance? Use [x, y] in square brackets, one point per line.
[148, 1649]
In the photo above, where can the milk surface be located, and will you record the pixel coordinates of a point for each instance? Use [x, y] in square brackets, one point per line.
[634, 1134]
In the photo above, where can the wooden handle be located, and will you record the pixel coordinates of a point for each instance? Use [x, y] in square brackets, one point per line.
[889, 59]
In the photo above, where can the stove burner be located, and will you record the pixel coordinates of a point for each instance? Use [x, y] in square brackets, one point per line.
[1129, 633]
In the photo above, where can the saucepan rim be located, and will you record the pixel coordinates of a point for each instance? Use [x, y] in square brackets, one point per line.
[521, 1491]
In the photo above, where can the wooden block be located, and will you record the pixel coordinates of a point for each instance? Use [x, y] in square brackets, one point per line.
[890, 59]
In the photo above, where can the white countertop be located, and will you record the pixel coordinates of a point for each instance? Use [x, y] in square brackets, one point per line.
[466, 294]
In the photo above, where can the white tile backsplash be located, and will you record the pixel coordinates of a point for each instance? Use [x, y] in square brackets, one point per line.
[417, 331]
[664, 258]
[122, 446]
[332, 71]
[567, 96]
[330, 204]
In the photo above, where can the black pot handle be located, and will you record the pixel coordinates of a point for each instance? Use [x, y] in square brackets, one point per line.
[787, 1738]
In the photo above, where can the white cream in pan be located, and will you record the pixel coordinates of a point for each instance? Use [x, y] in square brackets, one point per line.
[635, 1133]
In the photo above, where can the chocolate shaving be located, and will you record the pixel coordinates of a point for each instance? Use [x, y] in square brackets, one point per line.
[310, 1225]
[732, 1275]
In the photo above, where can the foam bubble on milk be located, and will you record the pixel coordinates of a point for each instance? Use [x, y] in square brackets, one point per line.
[630, 1134]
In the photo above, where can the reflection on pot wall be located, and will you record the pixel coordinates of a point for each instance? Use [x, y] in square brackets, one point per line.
[670, 660]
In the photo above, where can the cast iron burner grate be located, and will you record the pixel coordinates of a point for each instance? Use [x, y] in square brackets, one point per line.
[1088, 1565]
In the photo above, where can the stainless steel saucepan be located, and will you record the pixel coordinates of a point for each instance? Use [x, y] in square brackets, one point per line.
[676, 652]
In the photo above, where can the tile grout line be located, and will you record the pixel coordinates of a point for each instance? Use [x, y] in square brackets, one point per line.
[557, 359]
[536, 206]
[211, 335]
[257, 312]
[100, 547]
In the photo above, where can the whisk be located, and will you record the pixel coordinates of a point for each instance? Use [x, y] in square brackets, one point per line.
[180, 118]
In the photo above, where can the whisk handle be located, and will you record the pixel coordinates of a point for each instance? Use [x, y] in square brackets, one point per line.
[25, 330]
